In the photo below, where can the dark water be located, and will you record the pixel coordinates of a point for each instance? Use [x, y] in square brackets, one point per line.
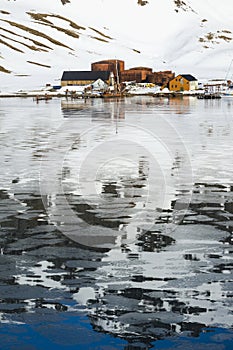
[116, 224]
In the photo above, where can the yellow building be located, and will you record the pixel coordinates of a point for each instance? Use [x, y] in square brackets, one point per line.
[183, 82]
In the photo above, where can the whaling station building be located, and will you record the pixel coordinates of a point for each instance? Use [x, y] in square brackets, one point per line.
[70, 78]
[183, 82]
[113, 71]
[107, 69]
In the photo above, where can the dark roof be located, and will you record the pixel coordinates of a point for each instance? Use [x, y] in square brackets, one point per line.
[85, 75]
[188, 77]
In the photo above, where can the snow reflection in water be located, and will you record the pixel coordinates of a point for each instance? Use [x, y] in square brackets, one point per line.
[158, 279]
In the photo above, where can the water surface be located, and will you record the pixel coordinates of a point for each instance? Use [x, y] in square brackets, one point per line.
[116, 223]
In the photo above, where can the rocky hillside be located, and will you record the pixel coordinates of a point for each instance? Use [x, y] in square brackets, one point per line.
[41, 39]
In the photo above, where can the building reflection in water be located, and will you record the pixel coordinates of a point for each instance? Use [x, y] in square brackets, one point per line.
[93, 108]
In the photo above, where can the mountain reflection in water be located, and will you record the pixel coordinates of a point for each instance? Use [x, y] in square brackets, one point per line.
[159, 280]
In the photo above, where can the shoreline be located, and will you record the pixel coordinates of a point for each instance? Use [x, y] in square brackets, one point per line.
[167, 94]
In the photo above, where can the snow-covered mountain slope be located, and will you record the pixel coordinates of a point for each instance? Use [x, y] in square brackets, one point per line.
[40, 39]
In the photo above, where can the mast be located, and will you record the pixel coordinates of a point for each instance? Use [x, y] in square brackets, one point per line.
[117, 77]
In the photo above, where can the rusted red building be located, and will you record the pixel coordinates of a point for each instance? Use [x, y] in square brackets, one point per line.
[115, 66]
[146, 75]
[137, 74]
[160, 78]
